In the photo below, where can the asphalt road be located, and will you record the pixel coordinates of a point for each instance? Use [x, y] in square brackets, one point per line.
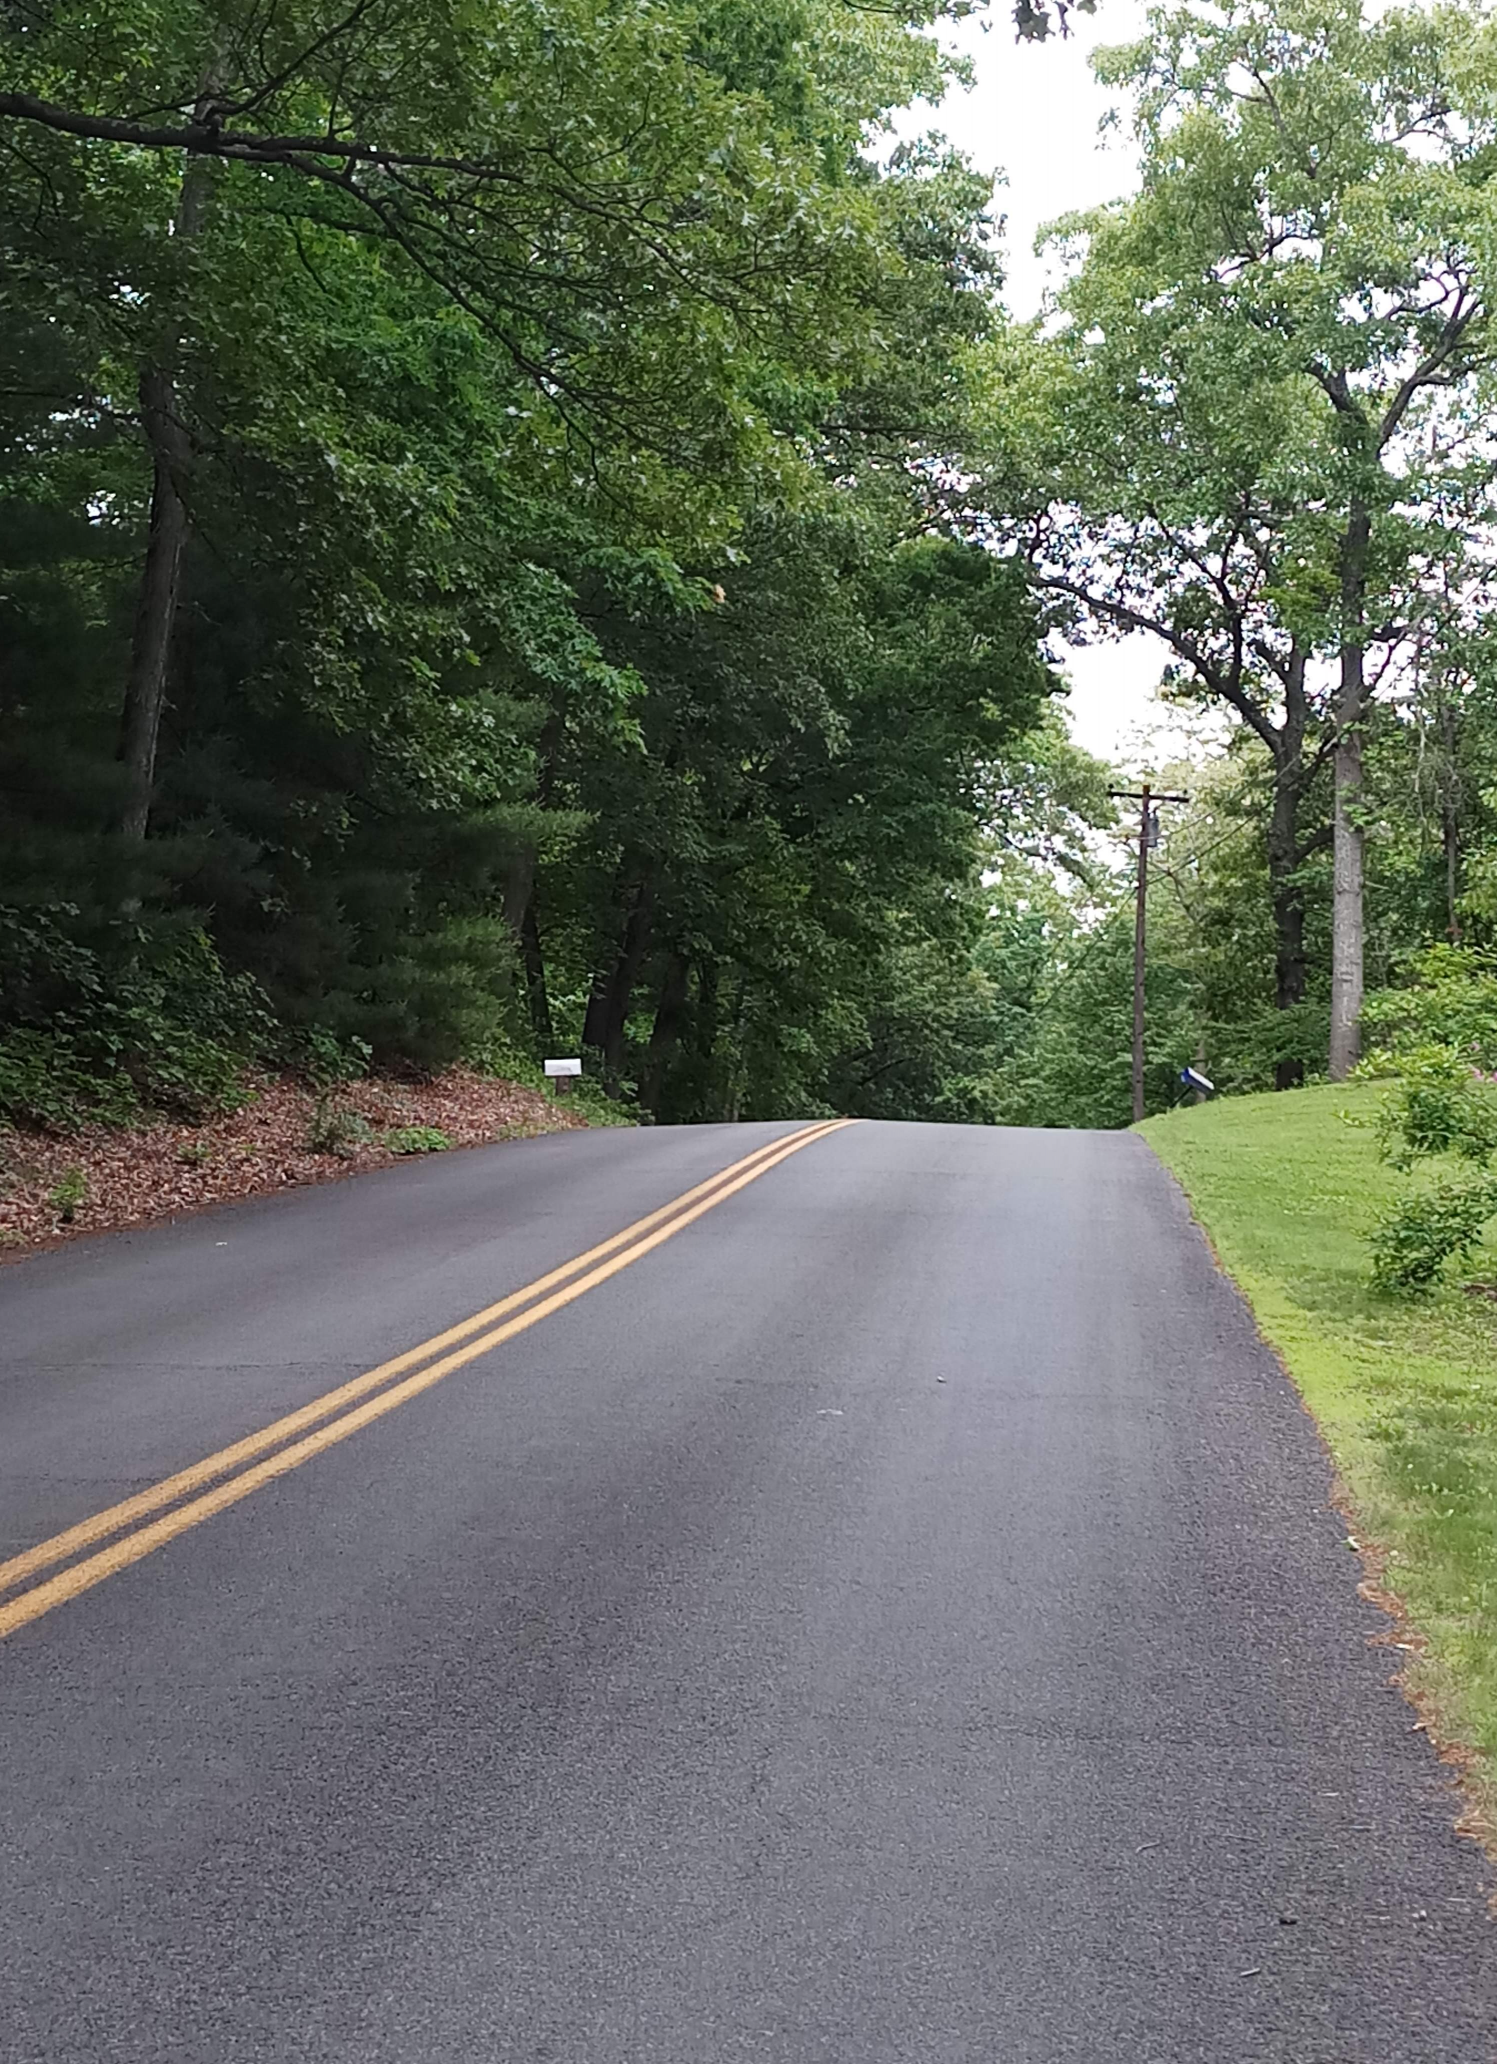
[896, 1620]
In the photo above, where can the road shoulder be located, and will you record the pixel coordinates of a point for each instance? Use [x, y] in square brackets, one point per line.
[1405, 1395]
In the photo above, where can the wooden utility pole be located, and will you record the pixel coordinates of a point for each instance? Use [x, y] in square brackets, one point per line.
[1148, 834]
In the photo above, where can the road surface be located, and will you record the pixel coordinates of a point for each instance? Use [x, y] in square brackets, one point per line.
[895, 1616]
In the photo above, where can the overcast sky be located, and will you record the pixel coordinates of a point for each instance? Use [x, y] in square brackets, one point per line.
[1033, 117]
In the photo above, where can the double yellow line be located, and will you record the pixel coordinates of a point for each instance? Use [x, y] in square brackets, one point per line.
[155, 1516]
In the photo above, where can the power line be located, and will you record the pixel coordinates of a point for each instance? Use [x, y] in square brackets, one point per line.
[1096, 937]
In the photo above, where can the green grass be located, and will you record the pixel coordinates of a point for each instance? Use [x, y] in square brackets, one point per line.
[1405, 1391]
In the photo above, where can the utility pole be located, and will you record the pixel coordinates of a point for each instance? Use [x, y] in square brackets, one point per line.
[1148, 835]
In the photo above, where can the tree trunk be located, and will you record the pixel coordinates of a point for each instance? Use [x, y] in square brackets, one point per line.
[161, 578]
[613, 991]
[519, 882]
[519, 896]
[705, 1027]
[1347, 935]
[1346, 909]
[1289, 971]
[595, 1018]
[665, 1034]
[156, 611]
[519, 915]
[1450, 821]
[535, 983]
[1285, 890]
[733, 1089]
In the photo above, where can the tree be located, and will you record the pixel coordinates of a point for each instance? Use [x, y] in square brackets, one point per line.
[668, 294]
[1318, 182]
[472, 574]
[1150, 477]
[806, 803]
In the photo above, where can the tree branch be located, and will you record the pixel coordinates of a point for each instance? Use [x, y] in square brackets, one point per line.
[1224, 684]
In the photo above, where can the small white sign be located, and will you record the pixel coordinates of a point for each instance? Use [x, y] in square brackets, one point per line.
[563, 1067]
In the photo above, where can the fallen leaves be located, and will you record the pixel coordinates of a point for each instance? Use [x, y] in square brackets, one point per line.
[124, 1177]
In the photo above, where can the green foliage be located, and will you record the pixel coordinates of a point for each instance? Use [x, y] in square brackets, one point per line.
[337, 1128]
[68, 1192]
[561, 613]
[102, 1029]
[598, 1107]
[1450, 1001]
[619, 556]
[179, 1027]
[325, 1060]
[1256, 427]
[500, 157]
[1063, 958]
[416, 1139]
[1439, 1106]
[1427, 1229]
[44, 1082]
[801, 829]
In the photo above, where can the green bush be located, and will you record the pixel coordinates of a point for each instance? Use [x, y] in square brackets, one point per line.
[1440, 1107]
[1437, 1106]
[180, 1026]
[417, 1139]
[337, 1128]
[326, 1060]
[101, 1027]
[1414, 1241]
[588, 1095]
[499, 1057]
[47, 1083]
[69, 1191]
[1451, 1000]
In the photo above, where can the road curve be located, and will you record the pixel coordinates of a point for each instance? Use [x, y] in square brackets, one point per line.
[895, 1618]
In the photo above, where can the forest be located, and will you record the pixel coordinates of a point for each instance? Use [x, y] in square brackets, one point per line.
[529, 530]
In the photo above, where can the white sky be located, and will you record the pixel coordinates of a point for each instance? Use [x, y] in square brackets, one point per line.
[1033, 117]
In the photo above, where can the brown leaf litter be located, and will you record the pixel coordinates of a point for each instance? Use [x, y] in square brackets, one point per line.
[117, 1177]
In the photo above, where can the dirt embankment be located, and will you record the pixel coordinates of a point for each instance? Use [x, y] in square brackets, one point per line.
[53, 1187]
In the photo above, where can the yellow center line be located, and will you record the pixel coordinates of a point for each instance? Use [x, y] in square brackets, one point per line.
[116, 1517]
[82, 1576]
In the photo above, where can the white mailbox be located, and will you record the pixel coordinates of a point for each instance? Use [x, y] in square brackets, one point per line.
[563, 1067]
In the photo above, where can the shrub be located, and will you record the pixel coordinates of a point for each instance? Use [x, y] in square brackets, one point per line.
[588, 1096]
[1414, 1241]
[70, 1190]
[1451, 1000]
[499, 1057]
[99, 1027]
[180, 1027]
[326, 1060]
[337, 1128]
[1438, 1106]
[417, 1139]
[46, 1082]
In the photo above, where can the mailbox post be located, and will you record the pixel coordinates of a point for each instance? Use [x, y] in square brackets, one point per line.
[561, 1073]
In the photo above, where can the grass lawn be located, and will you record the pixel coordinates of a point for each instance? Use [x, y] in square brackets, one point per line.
[1405, 1391]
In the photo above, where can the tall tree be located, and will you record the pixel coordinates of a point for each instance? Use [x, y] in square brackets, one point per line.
[1151, 478]
[1319, 179]
[668, 294]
